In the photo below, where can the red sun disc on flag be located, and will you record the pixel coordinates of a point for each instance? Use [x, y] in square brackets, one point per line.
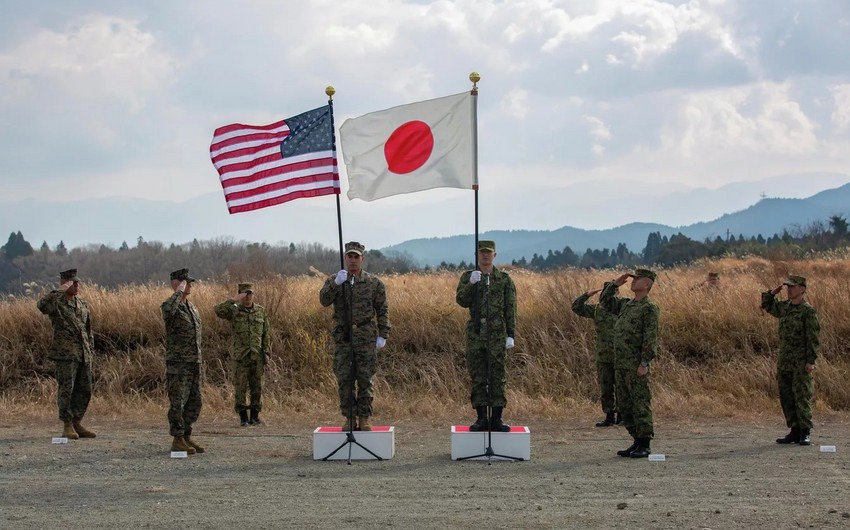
[409, 147]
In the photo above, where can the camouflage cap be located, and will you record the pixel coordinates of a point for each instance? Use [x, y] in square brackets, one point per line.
[486, 244]
[644, 273]
[354, 246]
[713, 275]
[182, 274]
[69, 275]
[246, 288]
[795, 280]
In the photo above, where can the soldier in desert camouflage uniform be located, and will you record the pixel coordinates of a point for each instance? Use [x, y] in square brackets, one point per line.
[604, 322]
[182, 362]
[799, 332]
[361, 328]
[251, 341]
[490, 296]
[636, 341]
[71, 352]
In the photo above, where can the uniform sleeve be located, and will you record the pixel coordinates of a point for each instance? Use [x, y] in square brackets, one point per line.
[609, 300]
[650, 334]
[89, 332]
[812, 327]
[582, 308]
[47, 303]
[382, 310]
[170, 307]
[510, 307]
[769, 304]
[226, 310]
[328, 293]
[465, 291]
[267, 333]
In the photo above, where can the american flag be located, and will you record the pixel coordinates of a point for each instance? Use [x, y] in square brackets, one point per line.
[265, 165]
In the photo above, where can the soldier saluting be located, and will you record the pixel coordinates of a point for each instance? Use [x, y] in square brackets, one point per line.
[71, 352]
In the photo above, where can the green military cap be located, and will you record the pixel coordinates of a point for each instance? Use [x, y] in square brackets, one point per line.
[354, 246]
[246, 288]
[182, 275]
[69, 275]
[714, 275]
[644, 273]
[486, 244]
[795, 280]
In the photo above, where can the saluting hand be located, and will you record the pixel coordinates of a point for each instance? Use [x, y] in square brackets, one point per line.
[622, 279]
[182, 286]
[593, 292]
[776, 291]
[240, 297]
[65, 286]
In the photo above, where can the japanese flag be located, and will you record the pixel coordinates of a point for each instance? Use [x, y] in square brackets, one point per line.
[415, 147]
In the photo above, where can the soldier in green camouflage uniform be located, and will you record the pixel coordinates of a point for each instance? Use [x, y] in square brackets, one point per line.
[490, 296]
[799, 332]
[251, 341]
[182, 362]
[636, 341]
[604, 322]
[361, 328]
[71, 352]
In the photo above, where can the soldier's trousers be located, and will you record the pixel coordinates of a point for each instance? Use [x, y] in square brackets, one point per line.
[477, 356]
[796, 390]
[74, 380]
[248, 377]
[357, 378]
[607, 386]
[634, 399]
[183, 382]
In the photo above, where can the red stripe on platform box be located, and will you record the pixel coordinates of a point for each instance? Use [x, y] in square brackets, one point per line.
[339, 429]
[465, 428]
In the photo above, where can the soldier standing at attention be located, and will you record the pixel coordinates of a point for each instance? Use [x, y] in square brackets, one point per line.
[604, 322]
[636, 341]
[361, 328]
[490, 296]
[251, 342]
[799, 332]
[71, 352]
[182, 362]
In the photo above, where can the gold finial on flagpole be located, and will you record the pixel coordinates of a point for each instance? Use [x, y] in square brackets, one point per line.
[475, 77]
[330, 91]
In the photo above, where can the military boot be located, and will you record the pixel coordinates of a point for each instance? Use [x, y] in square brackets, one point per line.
[243, 418]
[179, 444]
[628, 451]
[481, 423]
[608, 421]
[790, 438]
[191, 443]
[805, 437]
[642, 450]
[255, 417]
[364, 424]
[496, 424]
[82, 431]
[69, 432]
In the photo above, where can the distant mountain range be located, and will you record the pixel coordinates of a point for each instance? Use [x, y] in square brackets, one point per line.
[767, 217]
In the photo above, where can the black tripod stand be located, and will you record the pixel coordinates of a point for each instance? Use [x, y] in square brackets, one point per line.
[488, 452]
[348, 302]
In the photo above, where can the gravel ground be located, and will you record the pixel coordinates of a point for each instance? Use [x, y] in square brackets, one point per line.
[719, 473]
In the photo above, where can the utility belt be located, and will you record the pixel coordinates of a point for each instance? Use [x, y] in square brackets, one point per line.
[362, 324]
[479, 323]
[346, 337]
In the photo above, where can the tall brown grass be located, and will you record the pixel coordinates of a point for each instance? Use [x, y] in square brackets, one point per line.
[716, 356]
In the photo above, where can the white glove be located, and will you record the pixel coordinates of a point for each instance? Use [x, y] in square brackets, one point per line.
[380, 343]
[475, 277]
[509, 343]
[341, 276]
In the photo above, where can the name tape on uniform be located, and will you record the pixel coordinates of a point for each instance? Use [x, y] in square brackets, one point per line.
[59, 440]
[827, 449]
[179, 454]
[657, 458]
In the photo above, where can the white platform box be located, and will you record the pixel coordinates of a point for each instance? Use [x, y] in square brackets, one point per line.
[516, 443]
[380, 440]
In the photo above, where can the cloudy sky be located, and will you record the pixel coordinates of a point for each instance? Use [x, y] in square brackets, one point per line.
[105, 98]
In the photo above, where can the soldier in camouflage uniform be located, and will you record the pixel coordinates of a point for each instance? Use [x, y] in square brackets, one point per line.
[182, 362]
[799, 332]
[604, 322]
[251, 342]
[636, 341]
[490, 296]
[361, 328]
[71, 352]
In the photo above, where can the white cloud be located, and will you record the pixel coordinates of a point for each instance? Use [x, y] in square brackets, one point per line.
[515, 103]
[841, 111]
[599, 132]
[584, 68]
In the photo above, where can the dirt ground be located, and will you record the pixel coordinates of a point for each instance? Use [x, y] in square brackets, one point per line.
[719, 473]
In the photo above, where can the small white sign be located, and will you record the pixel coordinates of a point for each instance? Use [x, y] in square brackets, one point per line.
[60, 440]
[657, 458]
[179, 454]
[827, 449]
